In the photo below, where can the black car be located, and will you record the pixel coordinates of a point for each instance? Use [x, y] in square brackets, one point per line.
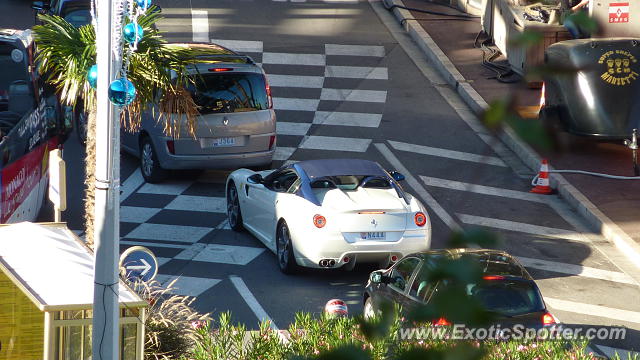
[506, 289]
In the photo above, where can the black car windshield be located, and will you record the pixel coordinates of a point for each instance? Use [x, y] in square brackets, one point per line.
[12, 71]
[507, 297]
[351, 182]
[76, 16]
[229, 93]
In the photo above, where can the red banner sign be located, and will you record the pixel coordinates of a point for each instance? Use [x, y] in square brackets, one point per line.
[619, 12]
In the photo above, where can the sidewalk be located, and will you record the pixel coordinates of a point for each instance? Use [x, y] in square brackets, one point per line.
[610, 206]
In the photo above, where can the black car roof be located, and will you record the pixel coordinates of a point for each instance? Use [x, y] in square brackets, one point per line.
[493, 262]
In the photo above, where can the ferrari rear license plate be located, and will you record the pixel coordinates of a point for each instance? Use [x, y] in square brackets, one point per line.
[375, 235]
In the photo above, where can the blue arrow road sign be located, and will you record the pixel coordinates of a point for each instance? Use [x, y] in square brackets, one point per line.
[138, 263]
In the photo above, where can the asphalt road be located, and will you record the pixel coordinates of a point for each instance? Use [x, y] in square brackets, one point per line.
[326, 58]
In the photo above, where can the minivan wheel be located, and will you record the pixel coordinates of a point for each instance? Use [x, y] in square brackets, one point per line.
[150, 167]
[234, 214]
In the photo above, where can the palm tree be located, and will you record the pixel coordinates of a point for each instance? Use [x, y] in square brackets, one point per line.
[65, 55]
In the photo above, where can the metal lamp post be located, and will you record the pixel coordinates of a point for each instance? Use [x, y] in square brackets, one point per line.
[107, 197]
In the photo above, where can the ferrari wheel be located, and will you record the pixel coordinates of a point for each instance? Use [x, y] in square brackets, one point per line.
[285, 250]
[233, 208]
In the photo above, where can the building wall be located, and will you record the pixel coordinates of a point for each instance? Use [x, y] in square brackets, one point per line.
[21, 324]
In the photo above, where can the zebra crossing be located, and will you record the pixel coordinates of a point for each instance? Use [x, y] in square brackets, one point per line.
[316, 89]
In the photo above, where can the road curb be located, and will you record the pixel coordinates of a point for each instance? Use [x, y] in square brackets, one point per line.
[598, 220]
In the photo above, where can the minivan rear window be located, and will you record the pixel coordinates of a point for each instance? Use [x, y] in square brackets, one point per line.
[229, 93]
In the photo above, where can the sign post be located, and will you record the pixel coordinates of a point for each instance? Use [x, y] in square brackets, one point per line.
[57, 183]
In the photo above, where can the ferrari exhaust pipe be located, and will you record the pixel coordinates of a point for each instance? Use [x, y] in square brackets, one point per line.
[327, 263]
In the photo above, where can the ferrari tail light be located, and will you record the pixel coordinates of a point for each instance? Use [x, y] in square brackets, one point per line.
[268, 90]
[548, 319]
[171, 146]
[420, 218]
[441, 322]
[272, 141]
[319, 221]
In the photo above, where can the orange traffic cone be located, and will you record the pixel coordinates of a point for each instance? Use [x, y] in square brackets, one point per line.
[542, 183]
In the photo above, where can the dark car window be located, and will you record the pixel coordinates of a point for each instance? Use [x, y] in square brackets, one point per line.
[401, 273]
[76, 16]
[281, 180]
[507, 297]
[229, 93]
[421, 287]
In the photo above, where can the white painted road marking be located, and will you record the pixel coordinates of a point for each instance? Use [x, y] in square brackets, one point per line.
[223, 254]
[251, 300]
[198, 203]
[593, 310]
[130, 185]
[187, 234]
[290, 128]
[240, 46]
[378, 96]
[347, 119]
[293, 59]
[283, 153]
[295, 104]
[136, 214]
[450, 154]
[522, 227]
[187, 285]
[418, 188]
[335, 143]
[200, 25]
[153, 244]
[481, 189]
[300, 81]
[354, 50]
[577, 270]
[356, 72]
[166, 188]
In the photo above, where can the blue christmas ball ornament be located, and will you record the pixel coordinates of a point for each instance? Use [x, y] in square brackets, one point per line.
[122, 92]
[132, 33]
[92, 76]
[144, 3]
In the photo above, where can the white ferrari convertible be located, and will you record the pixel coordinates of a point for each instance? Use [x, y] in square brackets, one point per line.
[328, 213]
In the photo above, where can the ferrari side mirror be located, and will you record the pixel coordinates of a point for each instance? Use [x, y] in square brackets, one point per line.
[255, 179]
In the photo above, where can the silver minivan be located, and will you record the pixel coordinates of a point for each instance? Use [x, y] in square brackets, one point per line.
[236, 126]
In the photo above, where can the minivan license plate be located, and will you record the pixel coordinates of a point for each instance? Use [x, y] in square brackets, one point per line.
[375, 235]
[224, 141]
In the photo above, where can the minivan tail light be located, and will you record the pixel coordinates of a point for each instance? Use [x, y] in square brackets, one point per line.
[548, 319]
[268, 90]
[272, 141]
[319, 221]
[220, 69]
[420, 218]
[171, 146]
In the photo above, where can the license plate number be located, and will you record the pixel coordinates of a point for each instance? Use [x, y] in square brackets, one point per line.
[224, 141]
[375, 235]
